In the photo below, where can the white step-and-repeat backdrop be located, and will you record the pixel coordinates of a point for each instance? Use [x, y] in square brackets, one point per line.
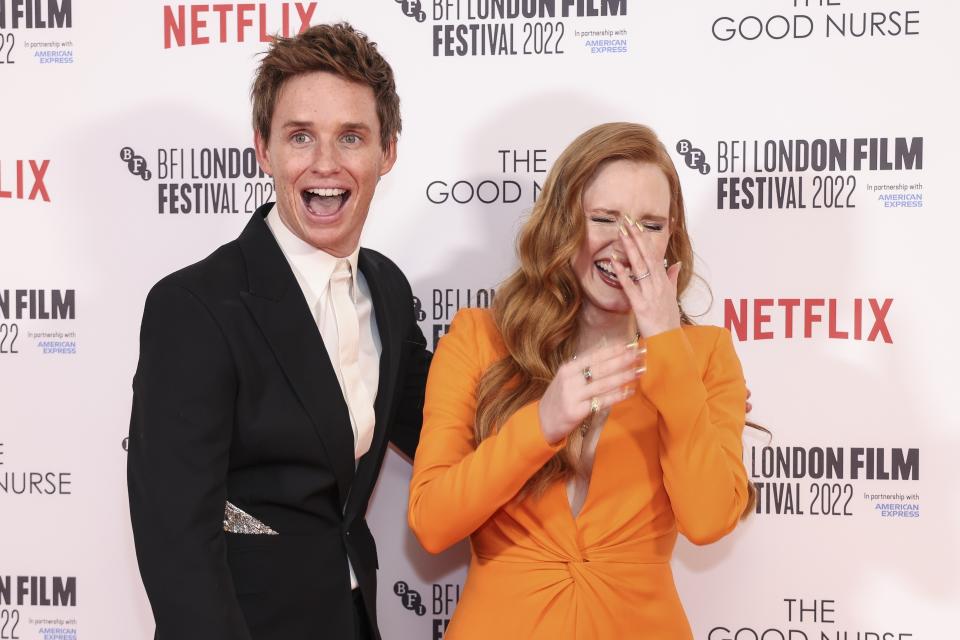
[817, 144]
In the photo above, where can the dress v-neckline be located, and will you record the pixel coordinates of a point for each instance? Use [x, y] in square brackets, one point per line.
[562, 490]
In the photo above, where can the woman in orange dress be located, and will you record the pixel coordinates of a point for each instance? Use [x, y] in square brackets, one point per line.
[573, 431]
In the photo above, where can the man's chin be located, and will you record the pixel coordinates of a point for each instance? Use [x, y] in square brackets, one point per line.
[333, 233]
[333, 240]
[324, 219]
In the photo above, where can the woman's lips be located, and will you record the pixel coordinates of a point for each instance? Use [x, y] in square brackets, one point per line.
[607, 276]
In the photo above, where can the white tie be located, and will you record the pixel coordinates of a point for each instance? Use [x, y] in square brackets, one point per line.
[358, 397]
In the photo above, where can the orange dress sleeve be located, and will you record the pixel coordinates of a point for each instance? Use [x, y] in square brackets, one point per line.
[701, 424]
[456, 485]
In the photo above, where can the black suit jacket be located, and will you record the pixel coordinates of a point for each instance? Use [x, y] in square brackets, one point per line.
[235, 399]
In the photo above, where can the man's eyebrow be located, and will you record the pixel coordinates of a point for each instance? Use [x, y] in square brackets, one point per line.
[306, 124]
[355, 125]
[296, 124]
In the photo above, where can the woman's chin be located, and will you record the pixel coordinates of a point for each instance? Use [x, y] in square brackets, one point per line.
[615, 306]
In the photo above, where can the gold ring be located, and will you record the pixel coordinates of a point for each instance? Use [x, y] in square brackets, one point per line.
[587, 374]
[594, 405]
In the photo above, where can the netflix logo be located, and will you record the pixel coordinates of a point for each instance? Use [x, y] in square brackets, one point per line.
[24, 180]
[788, 318]
[186, 25]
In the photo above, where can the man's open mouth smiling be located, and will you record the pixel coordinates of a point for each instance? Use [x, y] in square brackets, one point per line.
[326, 201]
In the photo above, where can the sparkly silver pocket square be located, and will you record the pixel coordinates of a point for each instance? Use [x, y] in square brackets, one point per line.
[236, 520]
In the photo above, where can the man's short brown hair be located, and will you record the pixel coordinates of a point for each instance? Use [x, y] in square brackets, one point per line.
[339, 49]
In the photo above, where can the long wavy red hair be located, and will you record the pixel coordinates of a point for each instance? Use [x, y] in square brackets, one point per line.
[537, 308]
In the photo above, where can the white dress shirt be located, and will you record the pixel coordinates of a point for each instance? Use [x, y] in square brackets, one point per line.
[313, 269]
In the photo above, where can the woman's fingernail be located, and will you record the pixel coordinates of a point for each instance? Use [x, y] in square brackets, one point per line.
[627, 392]
[640, 370]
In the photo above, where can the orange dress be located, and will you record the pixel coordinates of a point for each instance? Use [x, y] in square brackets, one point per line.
[669, 458]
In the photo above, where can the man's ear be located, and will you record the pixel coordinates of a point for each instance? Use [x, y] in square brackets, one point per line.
[263, 156]
[389, 157]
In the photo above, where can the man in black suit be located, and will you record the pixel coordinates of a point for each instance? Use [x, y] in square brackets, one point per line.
[273, 373]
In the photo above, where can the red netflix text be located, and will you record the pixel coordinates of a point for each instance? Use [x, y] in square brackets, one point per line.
[21, 186]
[185, 25]
[769, 318]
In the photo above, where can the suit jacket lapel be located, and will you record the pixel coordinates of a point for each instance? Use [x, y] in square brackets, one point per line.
[280, 310]
[387, 313]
